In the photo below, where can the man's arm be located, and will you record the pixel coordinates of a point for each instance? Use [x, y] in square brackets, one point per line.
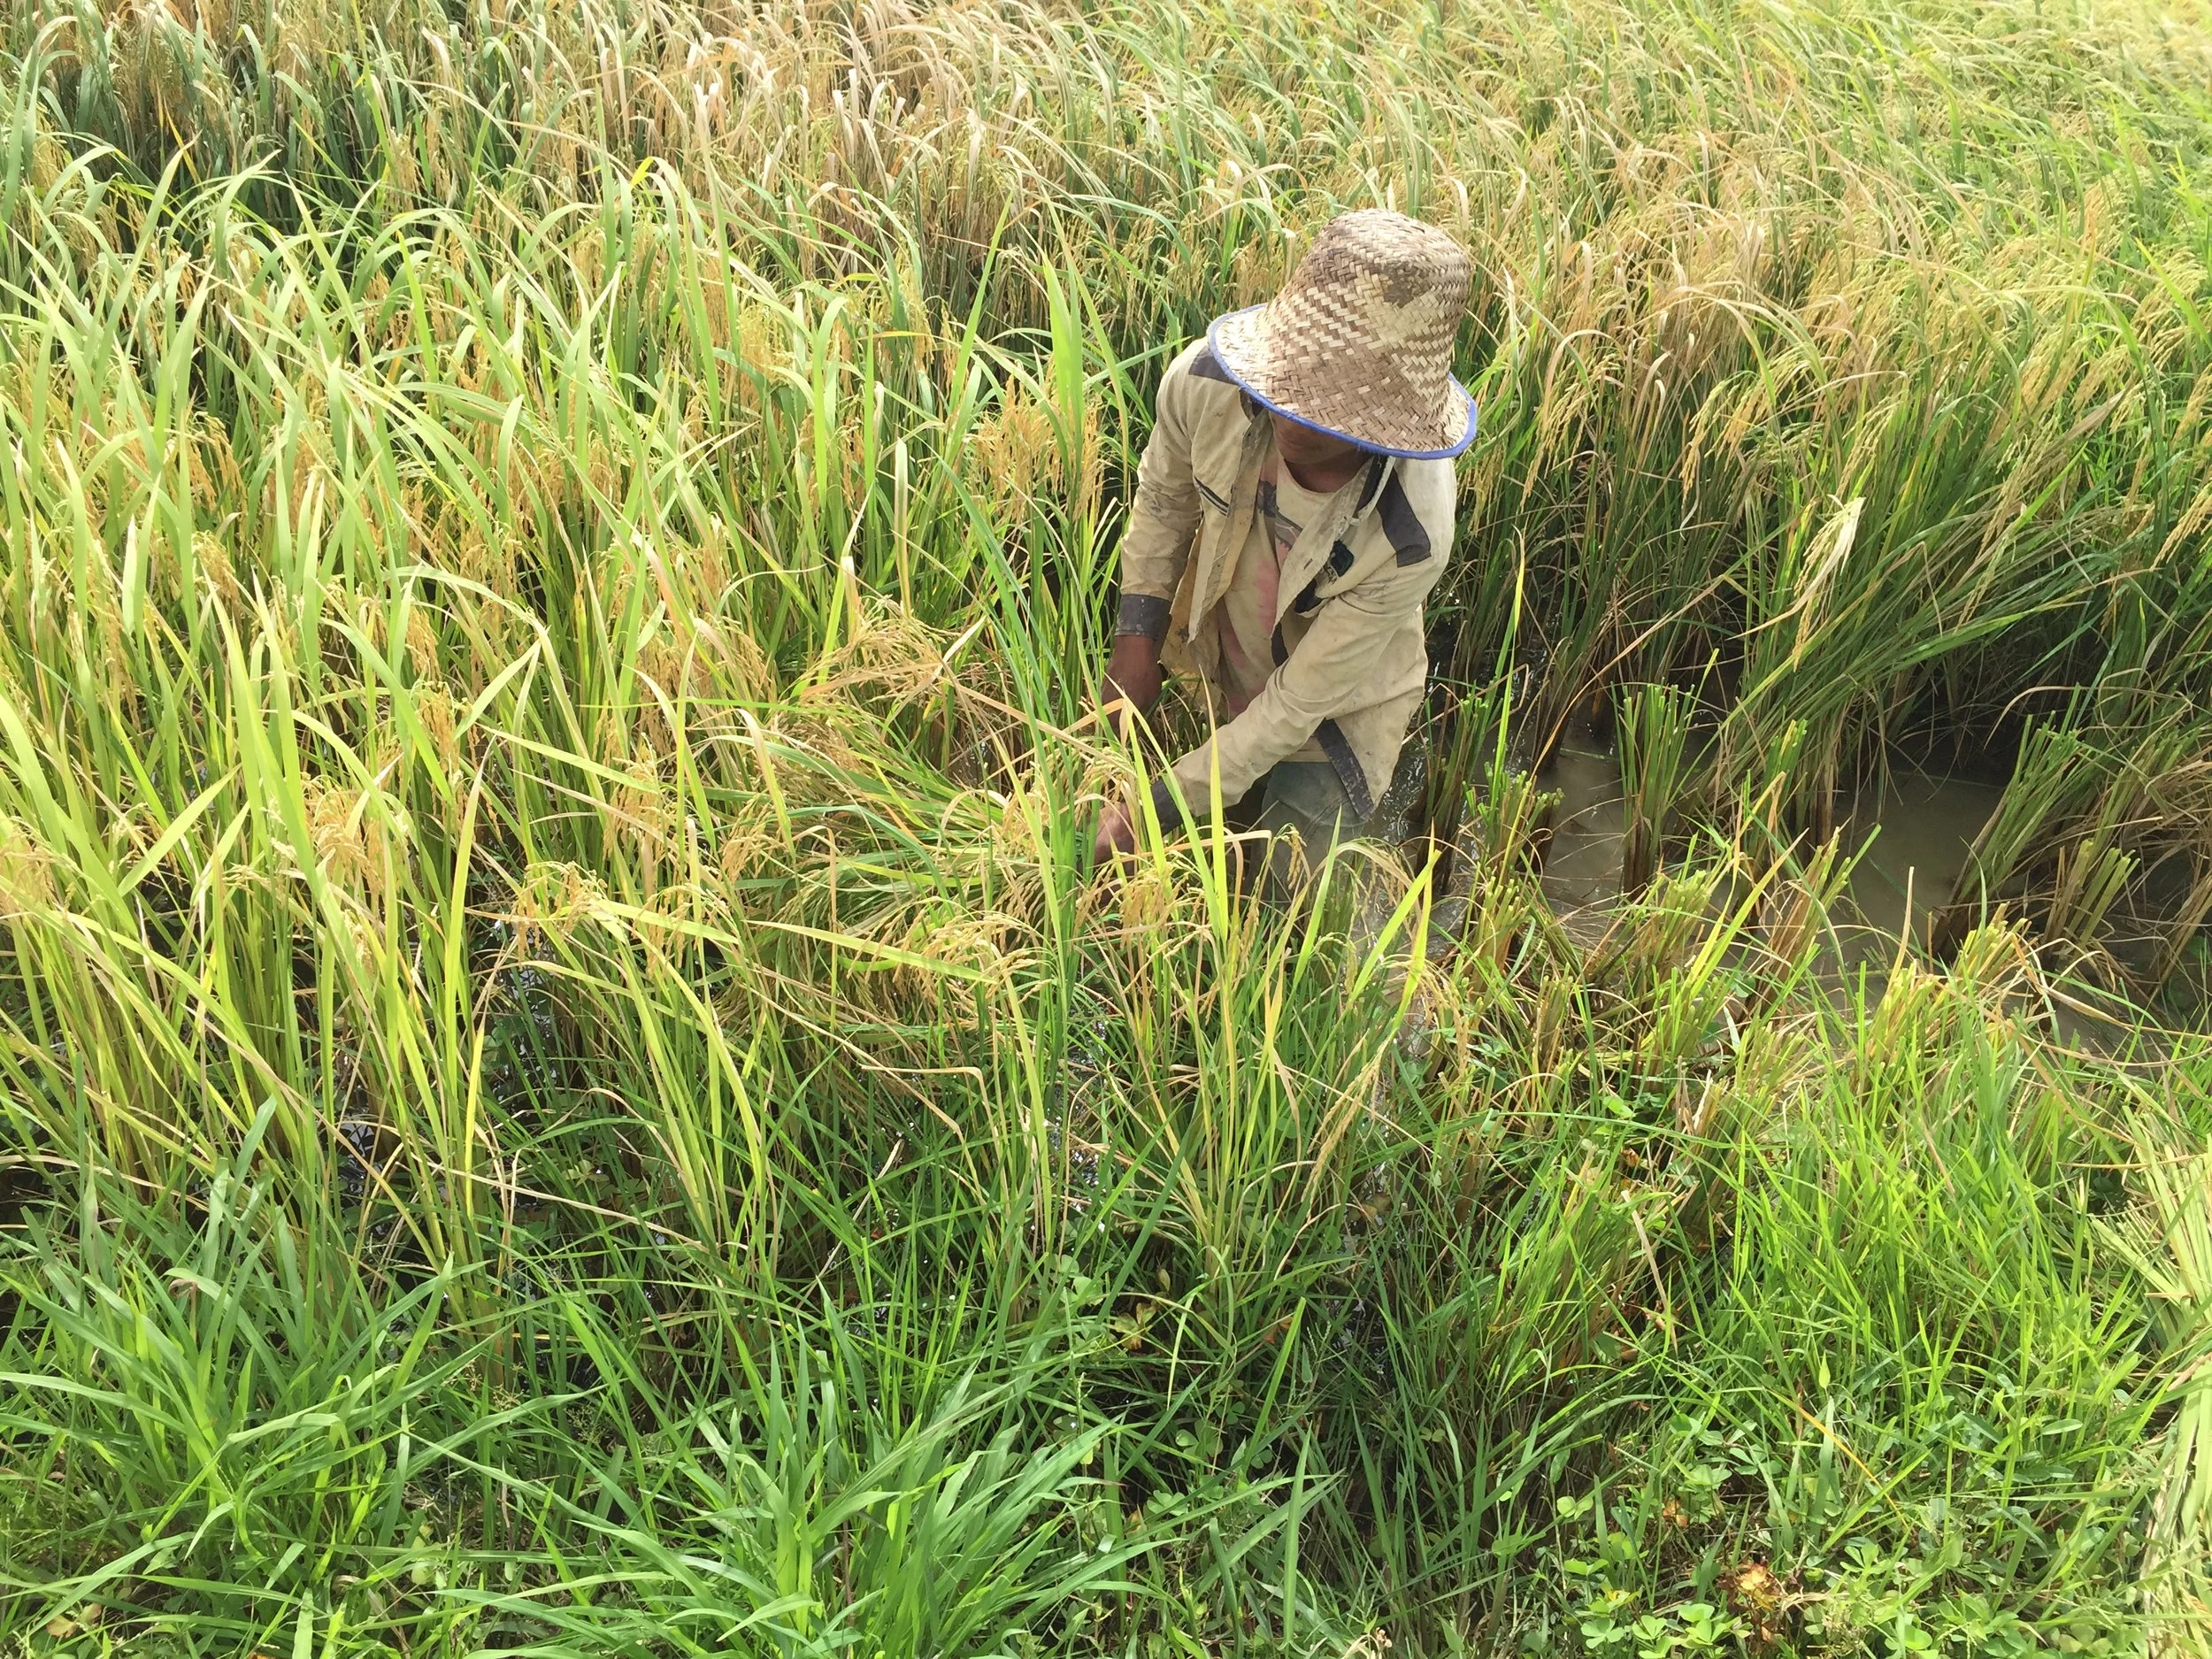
[1329, 674]
[1163, 521]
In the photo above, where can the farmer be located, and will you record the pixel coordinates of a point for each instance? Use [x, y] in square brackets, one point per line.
[1294, 510]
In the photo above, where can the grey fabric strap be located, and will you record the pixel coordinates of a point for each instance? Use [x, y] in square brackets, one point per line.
[1337, 747]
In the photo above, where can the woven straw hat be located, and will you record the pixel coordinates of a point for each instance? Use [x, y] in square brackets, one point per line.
[1359, 343]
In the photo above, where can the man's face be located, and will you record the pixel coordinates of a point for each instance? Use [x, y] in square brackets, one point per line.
[1303, 447]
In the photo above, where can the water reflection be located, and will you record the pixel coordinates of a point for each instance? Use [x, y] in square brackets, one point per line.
[1906, 840]
[1910, 837]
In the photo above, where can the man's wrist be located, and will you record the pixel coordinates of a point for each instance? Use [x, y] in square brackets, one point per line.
[1142, 616]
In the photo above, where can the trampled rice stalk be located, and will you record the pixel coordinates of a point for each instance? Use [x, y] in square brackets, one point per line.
[2182, 929]
[1791, 920]
[2084, 803]
[2055, 776]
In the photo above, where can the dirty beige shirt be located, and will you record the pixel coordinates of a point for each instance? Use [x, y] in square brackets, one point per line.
[1348, 650]
[1249, 610]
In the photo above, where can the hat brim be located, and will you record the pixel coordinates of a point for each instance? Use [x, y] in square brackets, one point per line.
[1229, 368]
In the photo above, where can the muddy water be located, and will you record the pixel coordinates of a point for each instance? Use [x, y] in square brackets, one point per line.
[1583, 868]
[1910, 837]
[1914, 834]
[1907, 839]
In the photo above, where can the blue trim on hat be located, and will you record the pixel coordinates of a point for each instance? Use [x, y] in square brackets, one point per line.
[1213, 344]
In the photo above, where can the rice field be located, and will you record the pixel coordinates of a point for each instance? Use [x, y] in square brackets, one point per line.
[569, 1088]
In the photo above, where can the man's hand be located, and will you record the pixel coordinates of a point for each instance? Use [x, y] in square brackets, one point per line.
[1133, 686]
[1132, 677]
[1117, 834]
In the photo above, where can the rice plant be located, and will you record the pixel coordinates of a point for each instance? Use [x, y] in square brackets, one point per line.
[568, 1083]
[1654, 726]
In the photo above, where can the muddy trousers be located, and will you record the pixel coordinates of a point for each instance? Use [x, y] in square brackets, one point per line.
[1306, 797]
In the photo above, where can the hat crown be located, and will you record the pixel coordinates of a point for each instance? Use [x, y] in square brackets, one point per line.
[1359, 341]
[1381, 255]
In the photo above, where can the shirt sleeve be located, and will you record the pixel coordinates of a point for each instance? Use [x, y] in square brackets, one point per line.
[1328, 675]
[1165, 518]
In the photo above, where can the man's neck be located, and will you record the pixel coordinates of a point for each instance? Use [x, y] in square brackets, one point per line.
[1326, 479]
